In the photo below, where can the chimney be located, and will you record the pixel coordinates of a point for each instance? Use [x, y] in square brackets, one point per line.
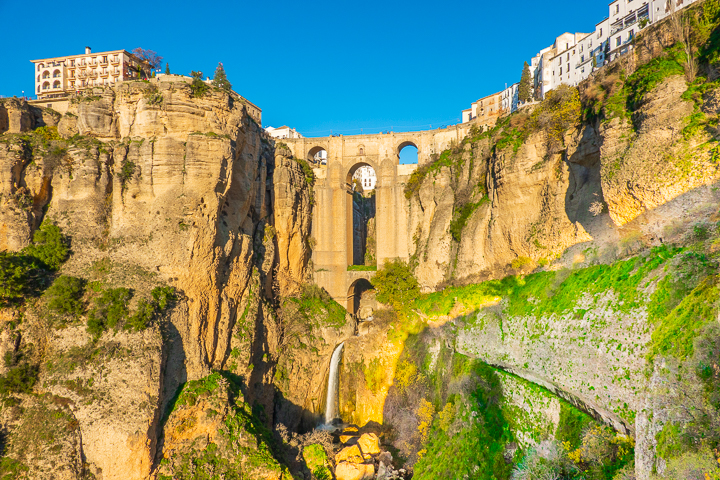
[87, 50]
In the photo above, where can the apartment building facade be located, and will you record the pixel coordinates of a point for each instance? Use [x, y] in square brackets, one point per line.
[612, 38]
[57, 77]
[485, 111]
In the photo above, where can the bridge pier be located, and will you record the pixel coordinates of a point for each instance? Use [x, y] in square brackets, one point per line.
[332, 227]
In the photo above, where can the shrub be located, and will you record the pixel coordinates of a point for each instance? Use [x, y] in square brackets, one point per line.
[65, 294]
[317, 461]
[20, 377]
[109, 309]
[14, 270]
[198, 88]
[396, 285]
[24, 273]
[521, 262]
[164, 297]
[560, 110]
[49, 246]
[142, 317]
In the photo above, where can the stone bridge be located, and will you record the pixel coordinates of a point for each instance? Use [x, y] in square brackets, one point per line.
[332, 227]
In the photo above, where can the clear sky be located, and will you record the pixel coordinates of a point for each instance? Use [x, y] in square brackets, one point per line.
[317, 66]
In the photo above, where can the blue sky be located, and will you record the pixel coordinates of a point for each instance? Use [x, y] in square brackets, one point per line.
[320, 66]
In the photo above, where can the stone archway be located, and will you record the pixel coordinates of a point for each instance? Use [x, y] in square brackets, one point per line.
[361, 296]
[317, 155]
[356, 205]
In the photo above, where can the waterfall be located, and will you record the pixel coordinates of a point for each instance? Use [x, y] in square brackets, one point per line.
[331, 401]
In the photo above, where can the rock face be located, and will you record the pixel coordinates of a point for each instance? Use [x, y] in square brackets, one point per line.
[157, 187]
[533, 204]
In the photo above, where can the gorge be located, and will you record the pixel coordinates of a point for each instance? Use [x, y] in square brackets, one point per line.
[177, 297]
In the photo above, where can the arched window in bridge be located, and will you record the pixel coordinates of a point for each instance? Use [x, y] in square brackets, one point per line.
[408, 153]
[317, 156]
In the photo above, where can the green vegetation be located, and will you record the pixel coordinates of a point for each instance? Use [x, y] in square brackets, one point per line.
[396, 285]
[65, 295]
[362, 268]
[525, 89]
[26, 273]
[232, 456]
[317, 461]
[21, 375]
[198, 88]
[110, 310]
[477, 449]
[461, 216]
[220, 79]
[49, 246]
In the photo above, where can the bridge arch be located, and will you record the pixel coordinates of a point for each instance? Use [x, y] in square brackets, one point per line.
[317, 154]
[412, 152]
[357, 289]
[357, 226]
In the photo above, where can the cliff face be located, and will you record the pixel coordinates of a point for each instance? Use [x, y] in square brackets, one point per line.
[505, 203]
[156, 187]
[610, 202]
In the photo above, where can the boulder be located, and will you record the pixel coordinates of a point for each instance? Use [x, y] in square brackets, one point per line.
[346, 438]
[369, 443]
[354, 471]
[349, 454]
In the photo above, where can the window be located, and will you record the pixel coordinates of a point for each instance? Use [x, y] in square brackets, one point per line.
[46, 74]
[72, 63]
[56, 84]
[72, 84]
[105, 59]
[600, 33]
[56, 73]
[582, 58]
[617, 8]
[38, 79]
[618, 41]
[560, 70]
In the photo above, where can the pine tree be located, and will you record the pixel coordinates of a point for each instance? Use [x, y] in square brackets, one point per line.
[525, 90]
[167, 69]
[220, 79]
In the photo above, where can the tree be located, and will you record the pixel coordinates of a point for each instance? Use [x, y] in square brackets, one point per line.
[198, 87]
[149, 58]
[525, 90]
[167, 69]
[682, 31]
[220, 79]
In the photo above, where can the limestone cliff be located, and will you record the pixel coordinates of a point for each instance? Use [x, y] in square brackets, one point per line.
[156, 187]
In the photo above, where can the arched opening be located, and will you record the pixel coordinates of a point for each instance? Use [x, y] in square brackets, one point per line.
[318, 156]
[408, 153]
[56, 74]
[361, 231]
[46, 85]
[361, 299]
[56, 84]
[361, 150]
[46, 74]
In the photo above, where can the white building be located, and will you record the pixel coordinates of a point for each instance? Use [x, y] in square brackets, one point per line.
[510, 98]
[367, 177]
[543, 65]
[283, 132]
[612, 38]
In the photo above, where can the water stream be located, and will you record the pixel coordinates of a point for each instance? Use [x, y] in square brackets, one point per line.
[331, 402]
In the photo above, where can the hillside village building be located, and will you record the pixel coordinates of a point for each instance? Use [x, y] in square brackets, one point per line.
[283, 132]
[56, 78]
[367, 177]
[573, 57]
[485, 111]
